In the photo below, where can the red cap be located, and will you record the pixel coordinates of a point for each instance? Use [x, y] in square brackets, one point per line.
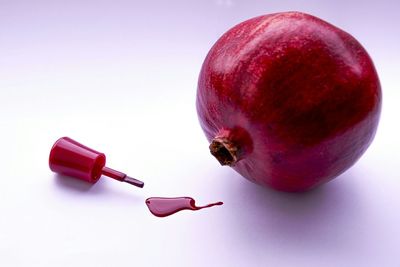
[71, 158]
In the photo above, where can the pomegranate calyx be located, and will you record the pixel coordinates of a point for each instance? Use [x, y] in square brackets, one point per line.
[224, 151]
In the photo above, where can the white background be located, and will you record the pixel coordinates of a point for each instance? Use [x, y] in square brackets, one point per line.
[120, 76]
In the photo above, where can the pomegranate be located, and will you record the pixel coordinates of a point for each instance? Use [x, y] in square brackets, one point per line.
[288, 100]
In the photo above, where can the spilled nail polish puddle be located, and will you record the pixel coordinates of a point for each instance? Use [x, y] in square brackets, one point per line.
[164, 206]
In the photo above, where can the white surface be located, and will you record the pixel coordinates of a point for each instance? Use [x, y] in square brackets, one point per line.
[120, 76]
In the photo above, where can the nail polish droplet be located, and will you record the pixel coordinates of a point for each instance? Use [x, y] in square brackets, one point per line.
[163, 206]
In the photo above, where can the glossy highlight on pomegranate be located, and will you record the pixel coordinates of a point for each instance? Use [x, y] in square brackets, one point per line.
[288, 100]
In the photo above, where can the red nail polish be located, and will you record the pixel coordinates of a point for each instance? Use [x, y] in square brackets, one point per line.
[71, 158]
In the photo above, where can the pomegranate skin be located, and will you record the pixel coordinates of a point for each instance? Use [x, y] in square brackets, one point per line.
[288, 100]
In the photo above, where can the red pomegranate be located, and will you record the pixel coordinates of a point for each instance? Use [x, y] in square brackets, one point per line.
[288, 100]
